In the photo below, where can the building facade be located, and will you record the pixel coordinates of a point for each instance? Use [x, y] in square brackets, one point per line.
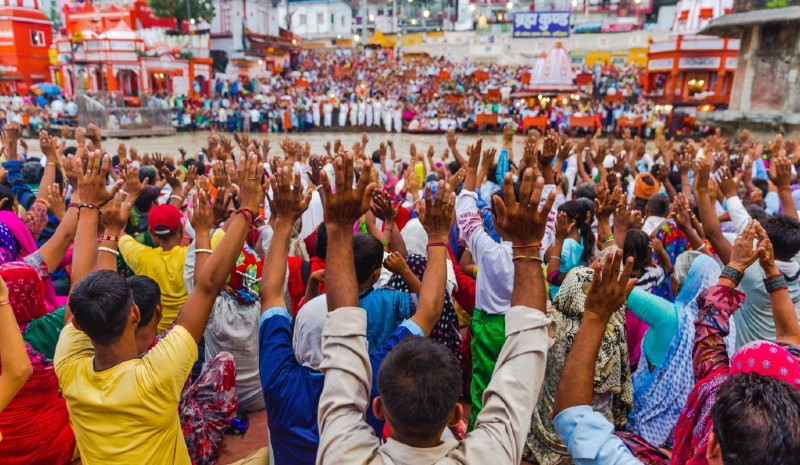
[318, 19]
[766, 89]
[25, 39]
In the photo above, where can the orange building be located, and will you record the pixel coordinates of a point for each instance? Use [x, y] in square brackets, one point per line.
[127, 52]
[25, 38]
[691, 70]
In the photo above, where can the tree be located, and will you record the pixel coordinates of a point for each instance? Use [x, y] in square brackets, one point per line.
[183, 10]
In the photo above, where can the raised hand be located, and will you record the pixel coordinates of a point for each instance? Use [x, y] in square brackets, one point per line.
[93, 184]
[250, 173]
[395, 263]
[437, 213]
[728, 183]
[48, 145]
[523, 222]
[202, 215]
[780, 171]
[743, 255]
[93, 134]
[627, 217]
[171, 179]
[611, 284]
[456, 179]
[55, 199]
[221, 207]
[564, 226]
[452, 139]
[381, 207]
[288, 199]
[549, 150]
[133, 185]
[607, 202]
[344, 206]
[115, 214]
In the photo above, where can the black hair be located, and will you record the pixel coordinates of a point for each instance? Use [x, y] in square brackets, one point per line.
[367, 254]
[756, 212]
[32, 171]
[7, 193]
[70, 151]
[146, 295]
[146, 199]
[784, 233]
[658, 204]
[101, 303]
[756, 420]
[376, 157]
[675, 179]
[148, 172]
[637, 245]
[762, 185]
[576, 211]
[453, 167]
[586, 191]
[419, 383]
[322, 241]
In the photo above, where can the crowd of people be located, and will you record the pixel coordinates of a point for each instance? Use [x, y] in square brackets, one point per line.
[374, 90]
[539, 302]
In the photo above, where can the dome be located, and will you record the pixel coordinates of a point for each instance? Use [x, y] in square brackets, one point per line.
[553, 70]
[691, 16]
[120, 31]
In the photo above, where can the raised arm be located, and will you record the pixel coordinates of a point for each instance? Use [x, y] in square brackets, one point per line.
[787, 329]
[195, 312]
[13, 356]
[708, 212]
[607, 293]
[452, 144]
[436, 216]
[780, 173]
[289, 204]
[342, 209]
[588, 435]
[115, 217]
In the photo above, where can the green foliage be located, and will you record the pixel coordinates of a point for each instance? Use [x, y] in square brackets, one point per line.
[183, 10]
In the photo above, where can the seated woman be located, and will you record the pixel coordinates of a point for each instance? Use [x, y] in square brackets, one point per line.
[613, 394]
[663, 379]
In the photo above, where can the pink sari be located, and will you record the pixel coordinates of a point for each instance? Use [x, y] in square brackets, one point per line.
[27, 246]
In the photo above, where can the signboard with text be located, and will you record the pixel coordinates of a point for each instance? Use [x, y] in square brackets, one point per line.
[541, 25]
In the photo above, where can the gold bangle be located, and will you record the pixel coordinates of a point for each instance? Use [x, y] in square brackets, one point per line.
[535, 258]
[3, 304]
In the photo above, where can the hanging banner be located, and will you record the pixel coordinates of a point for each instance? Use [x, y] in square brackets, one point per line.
[541, 25]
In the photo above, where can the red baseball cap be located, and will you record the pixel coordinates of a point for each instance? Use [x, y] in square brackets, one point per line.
[163, 219]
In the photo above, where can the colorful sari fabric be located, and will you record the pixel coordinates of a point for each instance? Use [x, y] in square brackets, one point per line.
[446, 330]
[660, 393]
[26, 246]
[613, 395]
[207, 406]
[244, 281]
[675, 243]
[712, 368]
[8, 246]
[35, 425]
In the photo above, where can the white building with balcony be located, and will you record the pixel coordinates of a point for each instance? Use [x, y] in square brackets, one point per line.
[317, 19]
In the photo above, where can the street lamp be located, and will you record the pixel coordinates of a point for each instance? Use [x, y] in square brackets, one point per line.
[510, 5]
[426, 13]
[472, 7]
[356, 37]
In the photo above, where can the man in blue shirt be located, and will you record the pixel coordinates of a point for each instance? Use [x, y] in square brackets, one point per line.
[289, 366]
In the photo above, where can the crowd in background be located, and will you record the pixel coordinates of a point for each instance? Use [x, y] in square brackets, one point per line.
[377, 91]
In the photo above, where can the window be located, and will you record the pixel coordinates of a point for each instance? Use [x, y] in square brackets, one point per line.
[225, 18]
[37, 39]
[303, 20]
[333, 20]
[320, 18]
[343, 21]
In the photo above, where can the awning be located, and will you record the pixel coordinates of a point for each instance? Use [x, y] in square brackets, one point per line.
[731, 25]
